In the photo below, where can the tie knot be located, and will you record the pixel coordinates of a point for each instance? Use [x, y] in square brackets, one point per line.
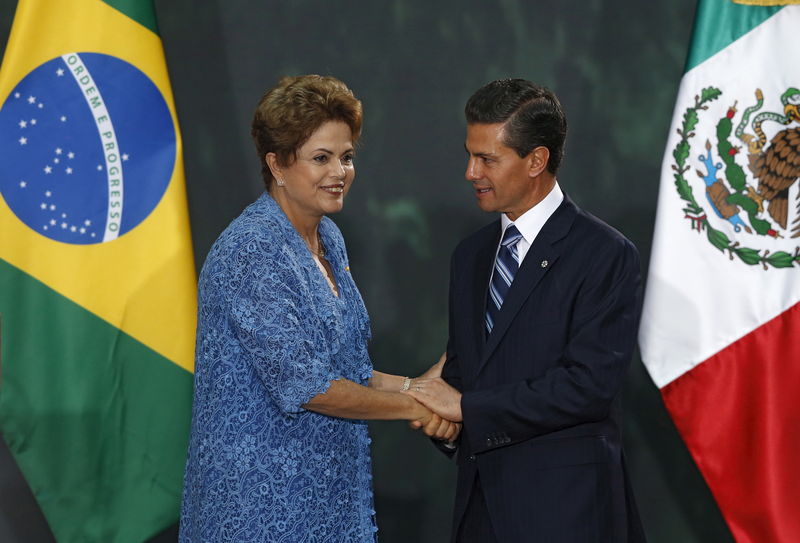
[511, 236]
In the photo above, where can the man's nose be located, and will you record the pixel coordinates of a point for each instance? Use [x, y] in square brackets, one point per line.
[473, 171]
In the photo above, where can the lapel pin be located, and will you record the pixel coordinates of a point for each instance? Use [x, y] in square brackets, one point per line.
[544, 263]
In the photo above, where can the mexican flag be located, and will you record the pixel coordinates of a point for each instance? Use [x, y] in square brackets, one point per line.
[97, 284]
[720, 332]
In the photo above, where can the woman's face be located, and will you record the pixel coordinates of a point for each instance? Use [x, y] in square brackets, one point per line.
[318, 180]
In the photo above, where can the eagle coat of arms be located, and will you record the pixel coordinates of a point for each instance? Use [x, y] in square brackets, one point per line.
[750, 169]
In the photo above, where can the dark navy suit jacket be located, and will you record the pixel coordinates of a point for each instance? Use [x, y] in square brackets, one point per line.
[540, 395]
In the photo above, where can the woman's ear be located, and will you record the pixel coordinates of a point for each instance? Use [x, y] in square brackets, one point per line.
[275, 169]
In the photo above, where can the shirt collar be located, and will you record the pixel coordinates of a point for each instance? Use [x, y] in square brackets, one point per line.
[531, 222]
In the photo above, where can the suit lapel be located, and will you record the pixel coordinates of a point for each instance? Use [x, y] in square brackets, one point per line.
[540, 259]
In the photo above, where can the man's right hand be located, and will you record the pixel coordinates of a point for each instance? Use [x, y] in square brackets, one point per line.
[436, 427]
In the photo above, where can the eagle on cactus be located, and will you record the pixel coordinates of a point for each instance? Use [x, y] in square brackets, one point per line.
[777, 167]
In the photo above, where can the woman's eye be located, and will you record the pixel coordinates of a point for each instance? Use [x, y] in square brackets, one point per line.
[347, 159]
[321, 159]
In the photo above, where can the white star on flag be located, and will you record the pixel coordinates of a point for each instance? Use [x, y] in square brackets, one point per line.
[72, 228]
[125, 156]
[33, 121]
[43, 205]
[23, 124]
[58, 150]
[23, 184]
[63, 226]
[60, 72]
[68, 170]
[48, 169]
[16, 95]
[63, 118]
[71, 154]
[52, 207]
[23, 141]
[31, 99]
[52, 222]
[56, 160]
[41, 105]
[48, 193]
[87, 222]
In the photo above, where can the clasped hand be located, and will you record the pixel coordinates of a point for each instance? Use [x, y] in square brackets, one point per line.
[434, 426]
[444, 405]
[438, 396]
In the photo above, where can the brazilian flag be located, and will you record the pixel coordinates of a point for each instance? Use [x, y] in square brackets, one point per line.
[97, 284]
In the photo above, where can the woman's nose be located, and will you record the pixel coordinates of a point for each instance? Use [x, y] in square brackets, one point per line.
[339, 169]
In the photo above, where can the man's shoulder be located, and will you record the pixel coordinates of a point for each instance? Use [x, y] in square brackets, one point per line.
[590, 230]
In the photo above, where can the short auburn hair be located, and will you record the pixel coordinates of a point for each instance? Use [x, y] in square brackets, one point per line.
[290, 112]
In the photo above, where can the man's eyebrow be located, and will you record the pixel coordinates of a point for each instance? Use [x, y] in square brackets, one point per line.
[481, 155]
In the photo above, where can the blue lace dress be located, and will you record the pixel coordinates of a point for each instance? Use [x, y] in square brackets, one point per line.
[270, 336]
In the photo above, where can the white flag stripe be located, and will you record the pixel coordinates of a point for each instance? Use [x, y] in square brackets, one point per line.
[108, 141]
[698, 300]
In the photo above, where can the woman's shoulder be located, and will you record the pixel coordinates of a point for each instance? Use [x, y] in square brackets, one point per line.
[256, 232]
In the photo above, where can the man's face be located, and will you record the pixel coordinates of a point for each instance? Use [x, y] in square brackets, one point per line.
[501, 179]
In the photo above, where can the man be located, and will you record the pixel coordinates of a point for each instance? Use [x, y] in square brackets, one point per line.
[544, 306]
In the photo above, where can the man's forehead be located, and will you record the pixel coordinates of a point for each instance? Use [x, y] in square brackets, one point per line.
[485, 139]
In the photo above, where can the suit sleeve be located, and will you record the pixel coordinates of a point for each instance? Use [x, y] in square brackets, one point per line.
[450, 371]
[583, 385]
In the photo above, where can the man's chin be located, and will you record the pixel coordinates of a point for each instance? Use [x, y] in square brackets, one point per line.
[486, 206]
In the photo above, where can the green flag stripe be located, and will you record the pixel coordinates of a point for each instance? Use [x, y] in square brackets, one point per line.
[141, 11]
[97, 422]
[718, 23]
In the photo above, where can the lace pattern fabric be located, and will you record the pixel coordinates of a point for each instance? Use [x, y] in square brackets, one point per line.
[271, 335]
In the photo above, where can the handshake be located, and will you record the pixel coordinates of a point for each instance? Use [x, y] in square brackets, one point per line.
[438, 405]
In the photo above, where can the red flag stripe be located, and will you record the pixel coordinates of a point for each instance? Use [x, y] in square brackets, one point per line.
[739, 414]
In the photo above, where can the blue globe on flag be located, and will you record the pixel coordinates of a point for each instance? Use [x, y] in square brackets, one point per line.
[87, 147]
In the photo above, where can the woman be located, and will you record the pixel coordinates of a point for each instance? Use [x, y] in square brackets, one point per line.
[279, 449]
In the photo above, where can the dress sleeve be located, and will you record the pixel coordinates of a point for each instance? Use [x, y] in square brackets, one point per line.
[272, 314]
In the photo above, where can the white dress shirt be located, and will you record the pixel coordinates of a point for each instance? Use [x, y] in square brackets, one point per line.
[531, 222]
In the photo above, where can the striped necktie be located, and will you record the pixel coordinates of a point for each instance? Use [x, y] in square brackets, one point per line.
[505, 267]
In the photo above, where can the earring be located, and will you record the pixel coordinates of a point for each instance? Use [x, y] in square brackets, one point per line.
[280, 182]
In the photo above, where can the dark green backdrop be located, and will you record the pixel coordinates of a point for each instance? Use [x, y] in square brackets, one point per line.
[615, 64]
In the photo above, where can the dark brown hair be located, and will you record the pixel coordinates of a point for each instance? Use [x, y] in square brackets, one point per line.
[532, 115]
[290, 112]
